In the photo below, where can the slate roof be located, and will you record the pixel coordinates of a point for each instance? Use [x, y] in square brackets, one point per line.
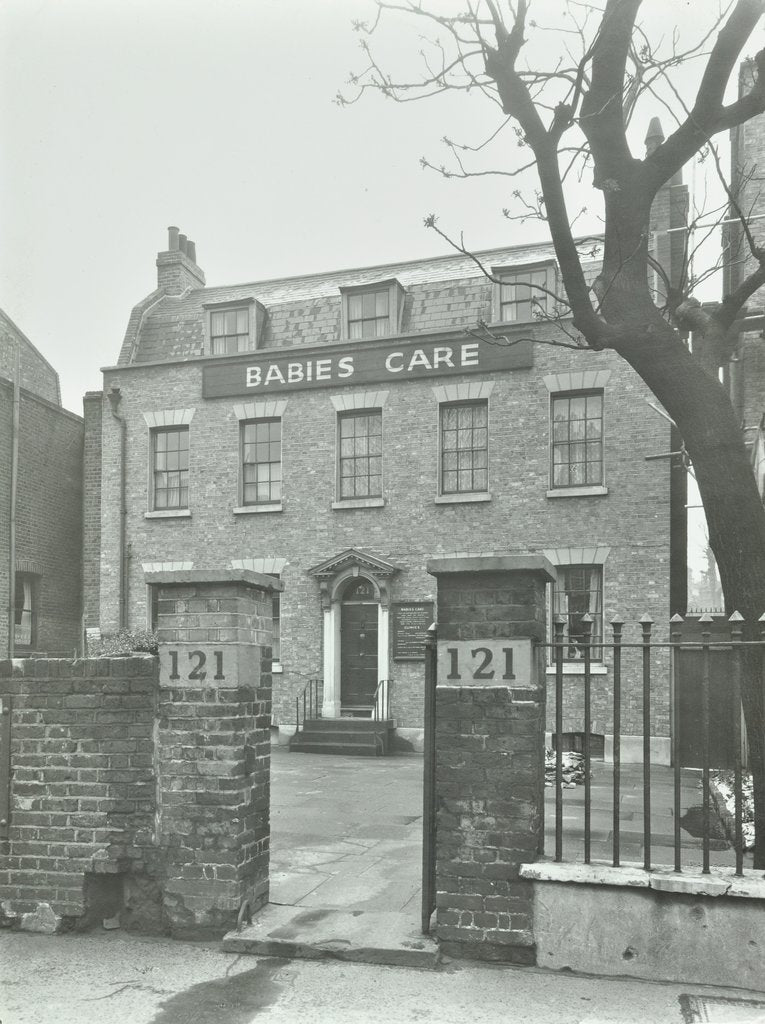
[442, 293]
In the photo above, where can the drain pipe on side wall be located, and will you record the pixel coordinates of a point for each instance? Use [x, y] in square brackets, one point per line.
[13, 503]
[115, 397]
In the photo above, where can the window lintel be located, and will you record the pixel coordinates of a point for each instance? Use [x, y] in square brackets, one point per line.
[370, 286]
[505, 270]
[230, 304]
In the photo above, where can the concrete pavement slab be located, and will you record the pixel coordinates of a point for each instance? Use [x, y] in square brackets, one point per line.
[322, 934]
[124, 979]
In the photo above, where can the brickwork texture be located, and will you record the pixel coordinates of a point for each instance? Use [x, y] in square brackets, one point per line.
[48, 518]
[213, 752]
[82, 783]
[632, 520]
[489, 774]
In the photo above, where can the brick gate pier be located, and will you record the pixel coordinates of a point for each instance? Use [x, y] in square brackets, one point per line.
[490, 721]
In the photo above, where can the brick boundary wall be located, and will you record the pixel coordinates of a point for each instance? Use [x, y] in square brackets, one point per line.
[137, 798]
[489, 761]
[80, 842]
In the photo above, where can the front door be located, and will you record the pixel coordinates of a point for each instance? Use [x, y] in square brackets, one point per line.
[358, 647]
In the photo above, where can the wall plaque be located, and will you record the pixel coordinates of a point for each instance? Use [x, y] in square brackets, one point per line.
[411, 620]
[485, 663]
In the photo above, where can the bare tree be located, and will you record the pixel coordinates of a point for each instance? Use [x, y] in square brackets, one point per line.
[573, 116]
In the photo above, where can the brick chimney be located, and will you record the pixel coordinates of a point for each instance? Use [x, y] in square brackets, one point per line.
[669, 215]
[177, 268]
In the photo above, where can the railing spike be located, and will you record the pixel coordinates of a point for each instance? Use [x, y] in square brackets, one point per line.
[706, 617]
[646, 620]
[677, 617]
[736, 617]
[617, 620]
[762, 618]
[587, 617]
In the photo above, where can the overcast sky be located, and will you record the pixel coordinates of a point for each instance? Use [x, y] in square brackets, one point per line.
[121, 117]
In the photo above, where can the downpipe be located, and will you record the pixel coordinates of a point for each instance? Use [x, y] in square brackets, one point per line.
[13, 503]
[115, 397]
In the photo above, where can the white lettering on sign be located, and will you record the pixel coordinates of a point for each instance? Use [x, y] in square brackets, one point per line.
[484, 662]
[470, 354]
[274, 375]
[298, 372]
[442, 355]
[360, 362]
[432, 360]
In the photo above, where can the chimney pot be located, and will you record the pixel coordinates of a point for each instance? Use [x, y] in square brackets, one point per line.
[191, 250]
[172, 238]
[182, 243]
[654, 136]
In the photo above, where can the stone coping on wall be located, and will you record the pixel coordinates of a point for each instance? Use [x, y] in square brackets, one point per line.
[194, 576]
[720, 882]
[491, 563]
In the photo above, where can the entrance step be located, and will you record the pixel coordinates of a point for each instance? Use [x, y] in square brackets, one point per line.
[350, 736]
[347, 724]
[318, 933]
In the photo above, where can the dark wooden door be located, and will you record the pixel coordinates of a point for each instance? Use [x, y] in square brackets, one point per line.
[358, 654]
[690, 732]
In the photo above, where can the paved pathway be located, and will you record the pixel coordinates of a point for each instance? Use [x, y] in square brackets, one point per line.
[347, 831]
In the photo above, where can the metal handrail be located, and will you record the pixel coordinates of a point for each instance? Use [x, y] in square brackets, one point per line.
[382, 696]
[311, 702]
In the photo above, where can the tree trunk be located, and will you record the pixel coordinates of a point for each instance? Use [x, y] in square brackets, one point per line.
[703, 412]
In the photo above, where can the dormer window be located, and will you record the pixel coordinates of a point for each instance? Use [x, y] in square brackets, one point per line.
[372, 311]
[229, 331]
[523, 294]
[234, 326]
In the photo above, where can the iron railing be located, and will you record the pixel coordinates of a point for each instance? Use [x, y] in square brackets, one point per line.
[428, 904]
[309, 701]
[381, 701]
[645, 646]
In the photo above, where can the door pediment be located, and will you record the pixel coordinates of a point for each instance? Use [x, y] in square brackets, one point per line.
[334, 571]
[352, 558]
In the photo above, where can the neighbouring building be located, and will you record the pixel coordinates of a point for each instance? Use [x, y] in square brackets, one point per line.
[746, 371]
[40, 505]
[339, 429]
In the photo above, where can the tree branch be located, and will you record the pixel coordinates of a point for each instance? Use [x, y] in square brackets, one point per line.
[602, 117]
[709, 116]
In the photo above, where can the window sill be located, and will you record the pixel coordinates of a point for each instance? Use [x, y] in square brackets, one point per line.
[576, 668]
[358, 503]
[246, 510]
[169, 513]
[498, 322]
[252, 347]
[577, 492]
[458, 499]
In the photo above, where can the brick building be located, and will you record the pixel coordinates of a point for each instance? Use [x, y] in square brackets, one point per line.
[40, 504]
[746, 371]
[337, 430]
